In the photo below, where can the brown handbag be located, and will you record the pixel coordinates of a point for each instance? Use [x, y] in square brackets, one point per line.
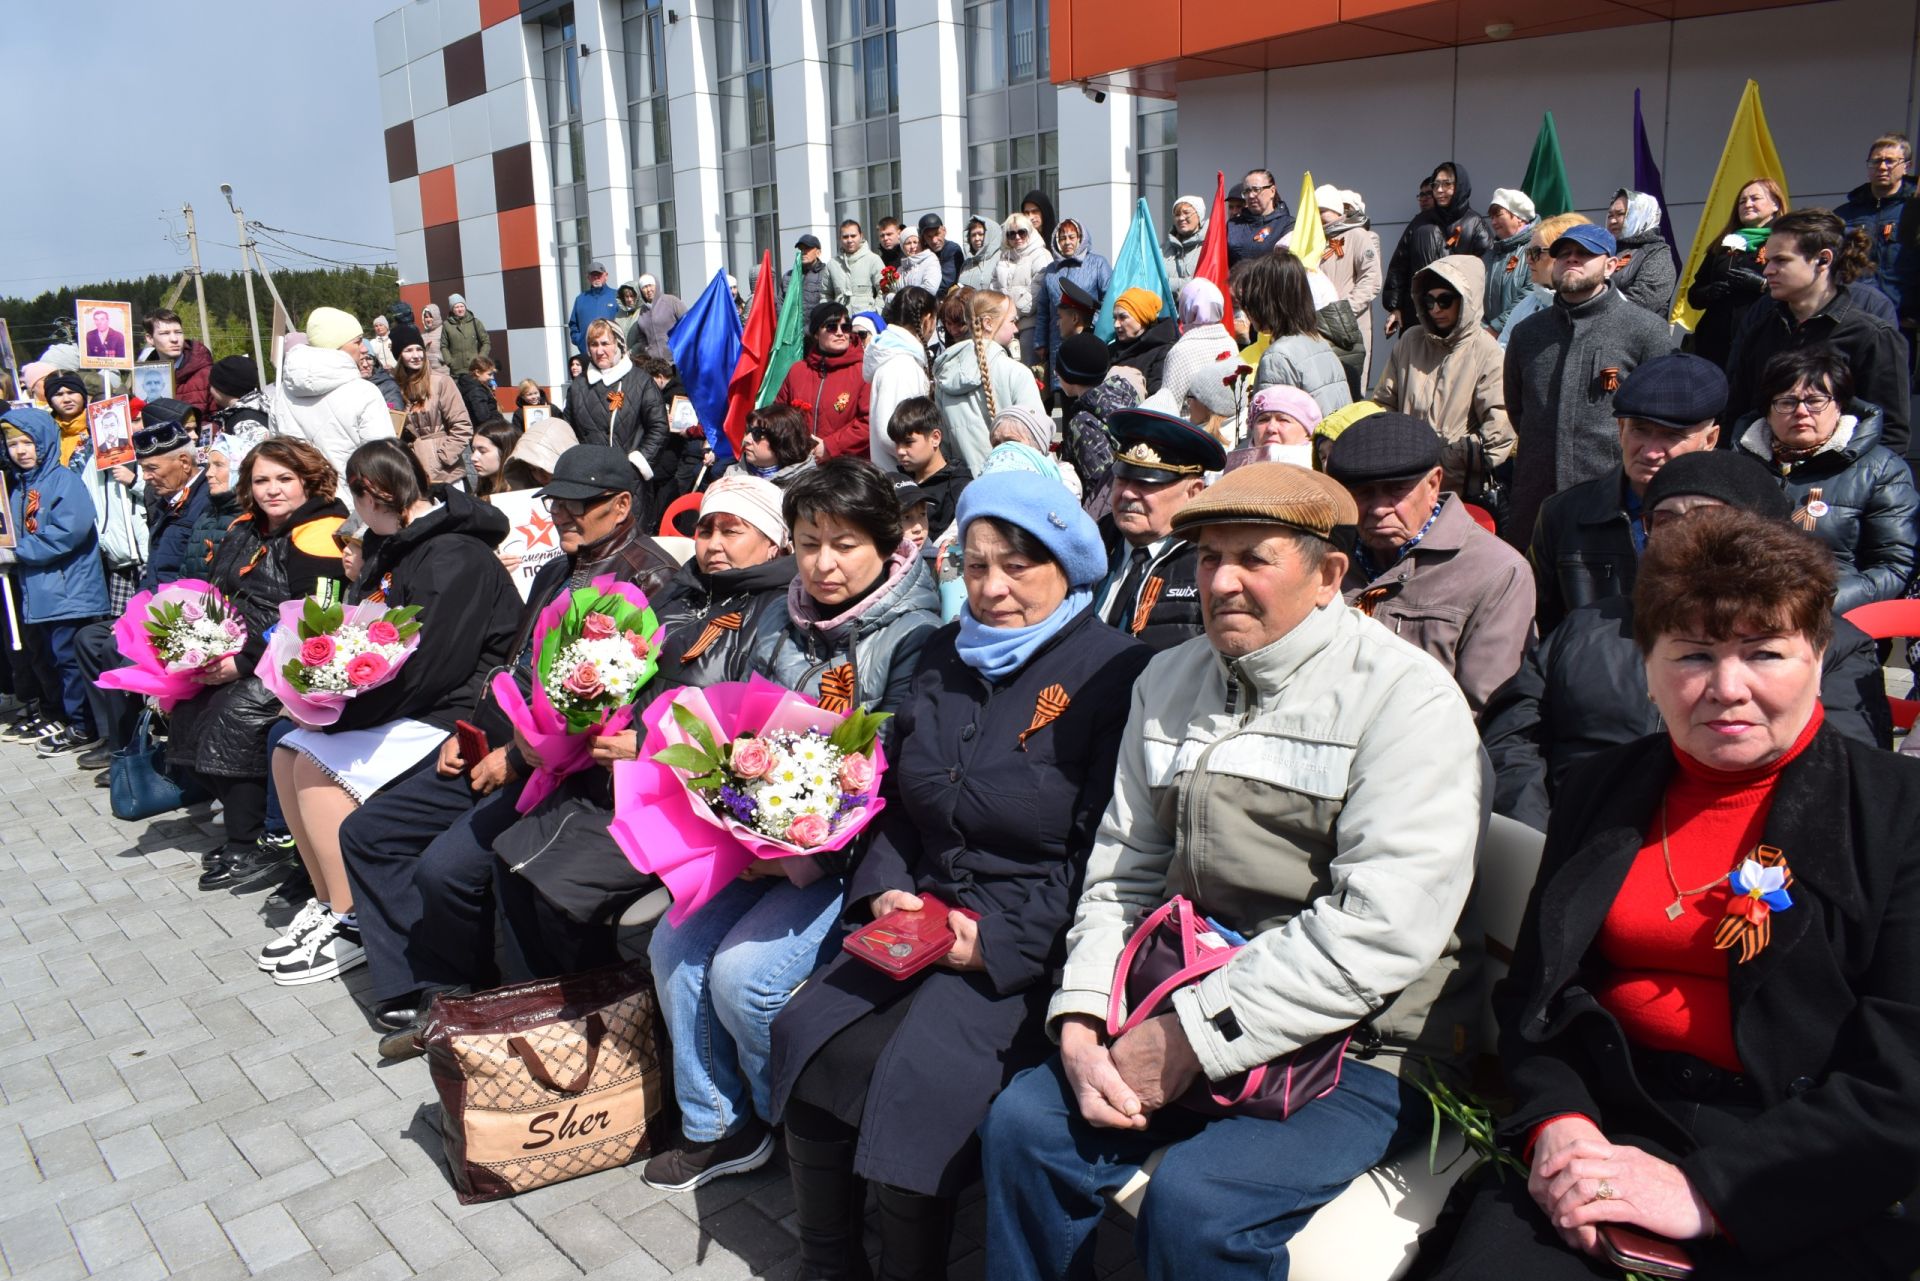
[546, 1081]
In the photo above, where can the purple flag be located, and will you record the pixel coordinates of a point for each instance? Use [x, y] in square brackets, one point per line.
[1646, 177]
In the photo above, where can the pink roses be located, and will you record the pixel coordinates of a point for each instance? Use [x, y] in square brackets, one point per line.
[597, 626]
[856, 774]
[316, 651]
[584, 681]
[364, 669]
[382, 632]
[809, 830]
[751, 758]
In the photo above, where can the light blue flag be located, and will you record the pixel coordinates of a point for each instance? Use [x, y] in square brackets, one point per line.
[1138, 265]
[706, 347]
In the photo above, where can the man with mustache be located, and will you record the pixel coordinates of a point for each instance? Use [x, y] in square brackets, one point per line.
[1159, 466]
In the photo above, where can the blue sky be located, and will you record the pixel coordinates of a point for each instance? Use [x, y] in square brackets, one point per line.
[279, 99]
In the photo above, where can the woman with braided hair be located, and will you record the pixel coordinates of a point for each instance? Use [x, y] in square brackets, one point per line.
[974, 381]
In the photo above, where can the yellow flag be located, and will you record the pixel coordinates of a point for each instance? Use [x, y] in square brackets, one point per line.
[1309, 238]
[1749, 154]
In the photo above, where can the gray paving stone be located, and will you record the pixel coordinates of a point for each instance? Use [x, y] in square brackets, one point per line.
[267, 1236]
[346, 1237]
[112, 1237]
[588, 1237]
[188, 1237]
[133, 1151]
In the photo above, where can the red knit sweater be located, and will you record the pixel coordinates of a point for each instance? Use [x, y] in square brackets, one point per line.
[1668, 985]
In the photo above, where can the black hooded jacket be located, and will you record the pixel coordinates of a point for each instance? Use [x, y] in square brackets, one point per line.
[1039, 197]
[744, 606]
[1456, 228]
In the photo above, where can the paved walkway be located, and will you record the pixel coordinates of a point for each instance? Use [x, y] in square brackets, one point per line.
[168, 1111]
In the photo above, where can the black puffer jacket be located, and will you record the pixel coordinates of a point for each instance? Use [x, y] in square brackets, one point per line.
[746, 608]
[208, 532]
[1727, 284]
[1457, 228]
[638, 426]
[1148, 352]
[478, 397]
[444, 562]
[1583, 689]
[1871, 513]
[223, 732]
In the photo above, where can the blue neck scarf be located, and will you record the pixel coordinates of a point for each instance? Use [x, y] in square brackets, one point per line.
[996, 652]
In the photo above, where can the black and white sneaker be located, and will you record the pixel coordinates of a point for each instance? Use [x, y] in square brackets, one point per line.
[64, 741]
[693, 1164]
[310, 918]
[328, 952]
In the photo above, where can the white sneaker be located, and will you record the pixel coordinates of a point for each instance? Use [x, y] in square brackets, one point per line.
[325, 953]
[310, 918]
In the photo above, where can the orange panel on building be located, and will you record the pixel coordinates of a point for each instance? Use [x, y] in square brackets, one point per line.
[519, 238]
[416, 297]
[438, 203]
[493, 12]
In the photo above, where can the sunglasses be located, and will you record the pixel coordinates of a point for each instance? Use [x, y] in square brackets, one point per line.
[575, 508]
[1439, 302]
[1016, 235]
[1535, 253]
[756, 433]
[836, 327]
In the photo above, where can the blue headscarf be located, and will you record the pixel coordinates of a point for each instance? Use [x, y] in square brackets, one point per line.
[1047, 511]
[996, 652]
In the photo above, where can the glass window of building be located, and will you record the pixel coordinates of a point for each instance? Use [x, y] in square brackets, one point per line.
[1156, 171]
[863, 81]
[1012, 108]
[746, 134]
[650, 141]
[566, 151]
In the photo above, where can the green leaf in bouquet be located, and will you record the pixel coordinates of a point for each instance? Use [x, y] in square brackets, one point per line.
[313, 619]
[696, 729]
[858, 731]
[708, 782]
[683, 756]
[295, 675]
[402, 616]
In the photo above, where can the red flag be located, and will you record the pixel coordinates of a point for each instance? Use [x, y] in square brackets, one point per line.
[756, 347]
[1213, 251]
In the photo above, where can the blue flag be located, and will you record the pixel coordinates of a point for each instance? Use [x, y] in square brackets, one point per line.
[1646, 177]
[706, 346]
[1138, 265]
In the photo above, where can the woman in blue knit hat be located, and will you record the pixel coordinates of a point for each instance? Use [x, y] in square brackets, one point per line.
[1005, 764]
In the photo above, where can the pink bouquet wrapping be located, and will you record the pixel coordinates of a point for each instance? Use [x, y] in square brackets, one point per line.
[172, 634]
[595, 649]
[321, 656]
[740, 771]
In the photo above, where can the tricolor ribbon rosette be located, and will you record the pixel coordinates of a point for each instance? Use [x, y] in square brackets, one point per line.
[739, 771]
[595, 649]
[323, 656]
[1759, 889]
[172, 634]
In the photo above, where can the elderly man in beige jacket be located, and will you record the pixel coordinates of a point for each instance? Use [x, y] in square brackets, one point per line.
[1314, 786]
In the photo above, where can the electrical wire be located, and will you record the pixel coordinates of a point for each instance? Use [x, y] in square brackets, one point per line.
[332, 240]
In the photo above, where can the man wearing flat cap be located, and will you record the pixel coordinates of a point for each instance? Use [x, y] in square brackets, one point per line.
[1422, 567]
[1159, 466]
[1313, 787]
[1587, 542]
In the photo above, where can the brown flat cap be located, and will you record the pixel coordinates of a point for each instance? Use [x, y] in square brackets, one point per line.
[1275, 494]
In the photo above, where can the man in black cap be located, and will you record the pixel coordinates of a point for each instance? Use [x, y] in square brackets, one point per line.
[1583, 689]
[1422, 567]
[1587, 542]
[933, 235]
[177, 499]
[235, 387]
[813, 274]
[420, 854]
[1159, 466]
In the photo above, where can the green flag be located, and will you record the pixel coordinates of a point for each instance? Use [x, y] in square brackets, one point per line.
[789, 338]
[1546, 180]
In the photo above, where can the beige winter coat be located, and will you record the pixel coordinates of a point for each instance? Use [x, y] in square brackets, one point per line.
[1357, 273]
[439, 430]
[1456, 382]
[1323, 796]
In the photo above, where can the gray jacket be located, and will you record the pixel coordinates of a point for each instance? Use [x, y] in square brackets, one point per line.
[1649, 276]
[977, 271]
[1323, 796]
[853, 280]
[1309, 363]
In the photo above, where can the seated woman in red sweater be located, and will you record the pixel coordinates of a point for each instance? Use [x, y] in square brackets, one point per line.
[1712, 1025]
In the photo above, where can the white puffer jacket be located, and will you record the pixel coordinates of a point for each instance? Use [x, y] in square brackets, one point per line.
[322, 399]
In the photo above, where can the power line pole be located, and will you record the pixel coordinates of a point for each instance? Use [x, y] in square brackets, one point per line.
[246, 274]
[199, 286]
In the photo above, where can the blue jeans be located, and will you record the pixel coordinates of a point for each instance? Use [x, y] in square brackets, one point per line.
[276, 821]
[722, 975]
[1228, 1196]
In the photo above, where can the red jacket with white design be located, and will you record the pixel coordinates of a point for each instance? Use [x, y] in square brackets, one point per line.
[834, 395]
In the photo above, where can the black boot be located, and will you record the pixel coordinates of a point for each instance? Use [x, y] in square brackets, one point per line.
[829, 1201]
[916, 1235]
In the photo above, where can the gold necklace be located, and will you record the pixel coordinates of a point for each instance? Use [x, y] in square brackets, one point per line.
[1679, 895]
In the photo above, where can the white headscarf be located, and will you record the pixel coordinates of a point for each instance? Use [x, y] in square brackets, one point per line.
[1643, 213]
[1201, 303]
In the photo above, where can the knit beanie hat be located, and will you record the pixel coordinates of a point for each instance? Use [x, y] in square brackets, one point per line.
[1033, 424]
[331, 328]
[1084, 359]
[1734, 479]
[1283, 399]
[234, 376]
[1142, 304]
[1044, 508]
[405, 336]
[66, 380]
[752, 499]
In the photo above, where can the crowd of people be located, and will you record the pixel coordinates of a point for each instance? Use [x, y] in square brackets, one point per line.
[1237, 609]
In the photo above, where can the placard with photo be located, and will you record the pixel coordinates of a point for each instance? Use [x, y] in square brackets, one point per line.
[10, 388]
[110, 424]
[153, 381]
[8, 536]
[106, 333]
[531, 535]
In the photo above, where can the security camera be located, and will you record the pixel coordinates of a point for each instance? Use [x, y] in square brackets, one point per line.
[1094, 95]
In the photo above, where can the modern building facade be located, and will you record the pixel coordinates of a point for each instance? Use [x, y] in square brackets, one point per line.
[677, 137]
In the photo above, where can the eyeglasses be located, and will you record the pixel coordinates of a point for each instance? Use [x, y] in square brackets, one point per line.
[1250, 190]
[1439, 301]
[1885, 162]
[1535, 253]
[1813, 403]
[575, 508]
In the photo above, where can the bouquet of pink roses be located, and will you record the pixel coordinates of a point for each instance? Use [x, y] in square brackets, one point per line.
[595, 649]
[322, 656]
[172, 634]
[740, 771]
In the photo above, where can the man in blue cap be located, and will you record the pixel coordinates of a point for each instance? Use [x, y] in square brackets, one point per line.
[1159, 466]
[1563, 365]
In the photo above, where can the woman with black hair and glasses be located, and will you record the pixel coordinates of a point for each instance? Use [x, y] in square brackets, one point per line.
[827, 385]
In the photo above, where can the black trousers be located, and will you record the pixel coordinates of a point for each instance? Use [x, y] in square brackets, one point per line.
[114, 713]
[538, 940]
[420, 859]
[244, 805]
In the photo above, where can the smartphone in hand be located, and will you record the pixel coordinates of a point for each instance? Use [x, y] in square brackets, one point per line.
[473, 743]
[1643, 1252]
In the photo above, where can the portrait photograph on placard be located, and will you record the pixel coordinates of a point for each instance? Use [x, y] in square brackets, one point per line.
[106, 333]
[531, 414]
[9, 538]
[682, 417]
[110, 424]
[10, 388]
[152, 381]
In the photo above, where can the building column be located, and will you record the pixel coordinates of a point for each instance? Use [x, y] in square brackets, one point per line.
[933, 110]
[1097, 165]
[693, 112]
[802, 152]
[603, 117]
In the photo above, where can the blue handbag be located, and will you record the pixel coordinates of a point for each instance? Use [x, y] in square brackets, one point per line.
[138, 785]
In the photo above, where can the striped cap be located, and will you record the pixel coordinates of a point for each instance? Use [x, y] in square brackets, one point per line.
[1275, 494]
